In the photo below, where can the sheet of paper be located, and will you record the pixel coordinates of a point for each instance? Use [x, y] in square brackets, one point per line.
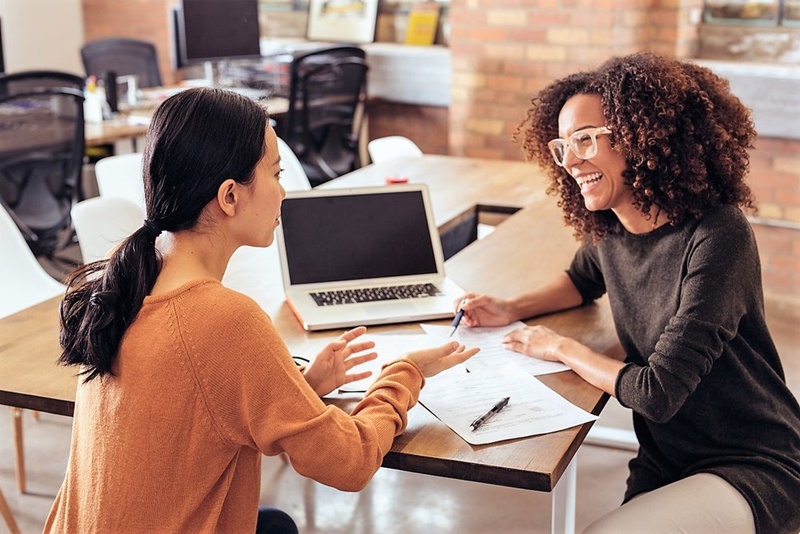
[493, 354]
[389, 347]
[458, 398]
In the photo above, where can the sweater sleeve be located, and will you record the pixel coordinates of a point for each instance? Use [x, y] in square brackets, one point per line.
[586, 274]
[257, 397]
[716, 291]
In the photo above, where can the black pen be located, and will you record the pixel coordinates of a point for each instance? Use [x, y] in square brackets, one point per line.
[457, 318]
[476, 424]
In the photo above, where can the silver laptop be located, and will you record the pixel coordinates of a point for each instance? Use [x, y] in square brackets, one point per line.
[363, 256]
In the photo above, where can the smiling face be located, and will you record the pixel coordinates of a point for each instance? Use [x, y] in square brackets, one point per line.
[599, 177]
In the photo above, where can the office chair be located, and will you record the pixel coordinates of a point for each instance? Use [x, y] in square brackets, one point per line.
[391, 147]
[24, 81]
[327, 106]
[123, 56]
[101, 223]
[121, 176]
[23, 283]
[41, 163]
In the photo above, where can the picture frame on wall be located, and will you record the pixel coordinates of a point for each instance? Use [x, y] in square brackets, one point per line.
[351, 21]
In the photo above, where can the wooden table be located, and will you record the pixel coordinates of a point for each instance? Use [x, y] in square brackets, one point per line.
[525, 250]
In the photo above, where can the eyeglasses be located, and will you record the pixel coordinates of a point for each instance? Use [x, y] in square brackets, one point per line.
[583, 144]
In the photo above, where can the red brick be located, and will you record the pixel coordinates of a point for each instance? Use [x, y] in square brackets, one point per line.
[487, 34]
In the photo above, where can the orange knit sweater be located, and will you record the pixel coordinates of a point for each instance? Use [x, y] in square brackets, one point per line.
[203, 386]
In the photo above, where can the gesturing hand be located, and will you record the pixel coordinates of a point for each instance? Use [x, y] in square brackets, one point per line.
[329, 370]
[433, 361]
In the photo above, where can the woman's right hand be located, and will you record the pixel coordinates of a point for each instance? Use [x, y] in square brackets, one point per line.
[433, 361]
[485, 310]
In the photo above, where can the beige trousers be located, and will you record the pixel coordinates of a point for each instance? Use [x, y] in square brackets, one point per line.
[699, 504]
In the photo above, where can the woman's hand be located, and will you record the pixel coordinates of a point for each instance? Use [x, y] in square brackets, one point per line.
[537, 341]
[541, 342]
[329, 370]
[484, 310]
[433, 361]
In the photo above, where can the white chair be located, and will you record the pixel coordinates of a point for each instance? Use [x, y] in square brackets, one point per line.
[121, 176]
[23, 283]
[293, 177]
[103, 222]
[392, 147]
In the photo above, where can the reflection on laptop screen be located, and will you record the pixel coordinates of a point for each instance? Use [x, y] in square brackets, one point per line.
[353, 237]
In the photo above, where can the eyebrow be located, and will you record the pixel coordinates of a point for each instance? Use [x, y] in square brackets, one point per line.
[578, 129]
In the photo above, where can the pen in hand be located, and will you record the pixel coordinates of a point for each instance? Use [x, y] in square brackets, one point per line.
[457, 318]
[476, 424]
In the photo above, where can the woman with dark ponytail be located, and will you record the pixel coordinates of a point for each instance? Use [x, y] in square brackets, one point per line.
[185, 383]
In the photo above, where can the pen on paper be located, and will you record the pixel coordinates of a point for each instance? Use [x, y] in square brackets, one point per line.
[457, 318]
[476, 424]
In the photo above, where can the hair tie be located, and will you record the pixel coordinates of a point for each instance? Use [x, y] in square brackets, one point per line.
[152, 227]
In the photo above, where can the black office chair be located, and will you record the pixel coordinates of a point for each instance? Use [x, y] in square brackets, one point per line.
[327, 106]
[123, 56]
[41, 160]
[20, 82]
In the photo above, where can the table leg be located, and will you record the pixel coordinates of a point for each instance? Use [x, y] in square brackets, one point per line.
[19, 451]
[563, 518]
[5, 512]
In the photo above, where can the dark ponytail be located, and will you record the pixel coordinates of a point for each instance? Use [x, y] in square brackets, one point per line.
[197, 139]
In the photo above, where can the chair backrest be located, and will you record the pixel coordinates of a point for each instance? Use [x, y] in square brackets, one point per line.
[121, 176]
[392, 147]
[41, 163]
[123, 56]
[327, 105]
[25, 81]
[23, 281]
[293, 176]
[103, 222]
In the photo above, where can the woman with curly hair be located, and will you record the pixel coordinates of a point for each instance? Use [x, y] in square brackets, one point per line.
[648, 156]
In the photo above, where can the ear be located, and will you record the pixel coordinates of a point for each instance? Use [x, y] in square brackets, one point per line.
[228, 197]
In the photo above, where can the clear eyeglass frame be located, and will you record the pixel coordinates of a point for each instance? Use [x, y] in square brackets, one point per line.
[582, 143]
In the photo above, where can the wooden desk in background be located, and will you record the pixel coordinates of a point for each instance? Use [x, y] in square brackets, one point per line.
[525, 250]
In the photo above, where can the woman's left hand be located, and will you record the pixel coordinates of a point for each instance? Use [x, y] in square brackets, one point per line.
[537, 341]
[330, 369]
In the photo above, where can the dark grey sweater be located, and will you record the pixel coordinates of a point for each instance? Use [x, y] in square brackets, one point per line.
[702, 374]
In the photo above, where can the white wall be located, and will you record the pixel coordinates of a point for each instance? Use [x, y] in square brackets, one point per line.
[42, 34]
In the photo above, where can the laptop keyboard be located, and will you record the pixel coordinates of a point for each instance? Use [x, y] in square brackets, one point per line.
[374, 294]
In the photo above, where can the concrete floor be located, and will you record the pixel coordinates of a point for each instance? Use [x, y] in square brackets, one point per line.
[394, 502]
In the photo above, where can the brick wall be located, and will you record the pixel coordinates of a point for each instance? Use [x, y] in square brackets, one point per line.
[139, 19]
[506, 50]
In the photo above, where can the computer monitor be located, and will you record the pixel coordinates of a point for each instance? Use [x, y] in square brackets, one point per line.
[216, 30]
[2, 58]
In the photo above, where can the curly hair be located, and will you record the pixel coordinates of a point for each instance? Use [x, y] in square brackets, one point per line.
[685, 138]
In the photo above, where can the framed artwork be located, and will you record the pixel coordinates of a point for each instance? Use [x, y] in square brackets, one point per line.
[351, 21]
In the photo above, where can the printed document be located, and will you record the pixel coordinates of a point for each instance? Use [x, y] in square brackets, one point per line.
[457, 398]
[493, 354]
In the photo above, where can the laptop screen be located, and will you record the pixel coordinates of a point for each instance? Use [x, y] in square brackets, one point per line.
[356, 236]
